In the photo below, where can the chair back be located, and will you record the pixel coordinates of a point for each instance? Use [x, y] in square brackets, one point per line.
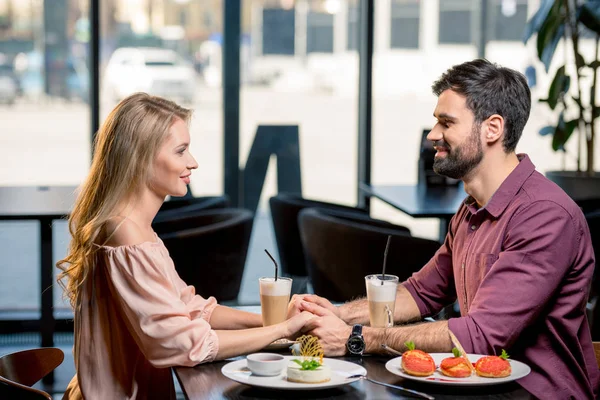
[284, 213]
[341, 252]
[182, 205]
[209, 249]
[20, 370]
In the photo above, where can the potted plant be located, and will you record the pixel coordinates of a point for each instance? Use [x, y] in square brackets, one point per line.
[572, 93]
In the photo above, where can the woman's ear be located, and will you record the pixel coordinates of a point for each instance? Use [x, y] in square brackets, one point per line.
[494, 127]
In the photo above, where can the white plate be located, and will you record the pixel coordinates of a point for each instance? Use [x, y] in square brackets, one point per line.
[519, 370]
[340, 371]
[280, 344]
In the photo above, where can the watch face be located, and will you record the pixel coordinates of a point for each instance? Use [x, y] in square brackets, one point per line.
[356, 345]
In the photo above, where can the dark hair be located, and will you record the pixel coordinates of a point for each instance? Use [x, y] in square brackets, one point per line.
[491, 89]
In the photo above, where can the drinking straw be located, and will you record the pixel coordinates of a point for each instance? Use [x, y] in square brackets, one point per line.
[275, 262]
[387, 247]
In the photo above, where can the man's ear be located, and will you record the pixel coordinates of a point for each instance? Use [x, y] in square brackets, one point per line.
[494, 128]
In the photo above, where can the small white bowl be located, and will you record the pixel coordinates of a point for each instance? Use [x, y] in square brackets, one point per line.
[266, 364]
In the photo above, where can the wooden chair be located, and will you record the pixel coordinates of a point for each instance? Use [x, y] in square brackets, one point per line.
[597, 351]
[21, 370]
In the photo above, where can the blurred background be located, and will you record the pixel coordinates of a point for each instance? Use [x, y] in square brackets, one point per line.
[299, 65]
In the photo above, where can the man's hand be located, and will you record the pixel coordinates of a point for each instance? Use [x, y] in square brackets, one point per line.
[331, 331]
[295, 324]
[295, 305]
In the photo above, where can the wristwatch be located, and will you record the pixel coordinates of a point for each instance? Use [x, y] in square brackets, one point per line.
[356, 343]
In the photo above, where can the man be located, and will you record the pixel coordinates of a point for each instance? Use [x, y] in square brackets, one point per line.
[518, 254]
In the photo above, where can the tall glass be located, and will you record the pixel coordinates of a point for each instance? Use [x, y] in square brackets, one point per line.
[381, 294]
[274, 299]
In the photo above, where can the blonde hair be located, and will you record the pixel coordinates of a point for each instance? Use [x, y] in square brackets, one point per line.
[124, 151]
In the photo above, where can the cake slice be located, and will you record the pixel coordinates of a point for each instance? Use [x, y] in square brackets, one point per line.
[308, 371]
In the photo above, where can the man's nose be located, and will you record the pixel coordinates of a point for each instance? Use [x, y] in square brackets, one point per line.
[435, 134]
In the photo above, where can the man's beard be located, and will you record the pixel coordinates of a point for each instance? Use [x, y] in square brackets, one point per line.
[461, 160]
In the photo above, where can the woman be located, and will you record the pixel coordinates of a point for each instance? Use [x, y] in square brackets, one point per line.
[134, 316]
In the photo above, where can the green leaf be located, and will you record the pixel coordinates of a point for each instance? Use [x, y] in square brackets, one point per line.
[307, 365]
[547, 130]
[456, 352]
[562, 133]
[560, 84]
[534, 24]
[504, 355]
[550, 33]
[410, 345]
[589, 15]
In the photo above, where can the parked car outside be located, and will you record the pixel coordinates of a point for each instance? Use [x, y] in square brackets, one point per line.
[161, 72]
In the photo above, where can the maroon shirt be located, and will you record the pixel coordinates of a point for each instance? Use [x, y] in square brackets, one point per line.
[521, 268]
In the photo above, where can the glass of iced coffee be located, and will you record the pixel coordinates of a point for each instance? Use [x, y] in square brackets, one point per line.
[381, 294]
[274, 299]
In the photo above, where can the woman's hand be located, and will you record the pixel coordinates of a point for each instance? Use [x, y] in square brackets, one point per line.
[295, 306]
[295, 324]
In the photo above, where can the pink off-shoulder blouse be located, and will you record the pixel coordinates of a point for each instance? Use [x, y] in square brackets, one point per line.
[135, 318]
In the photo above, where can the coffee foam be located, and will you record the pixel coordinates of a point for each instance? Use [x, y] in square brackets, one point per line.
[268, 287]
[378, 292]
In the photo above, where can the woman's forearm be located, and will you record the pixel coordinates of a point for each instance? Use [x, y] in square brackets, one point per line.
[225, 318]
[245, 341]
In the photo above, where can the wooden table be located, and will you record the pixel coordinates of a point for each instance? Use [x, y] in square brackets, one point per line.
[44, 204]
[420, 201]
[206, 381]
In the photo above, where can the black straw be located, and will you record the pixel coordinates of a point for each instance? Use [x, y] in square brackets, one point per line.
[387, 247]
[275, 262]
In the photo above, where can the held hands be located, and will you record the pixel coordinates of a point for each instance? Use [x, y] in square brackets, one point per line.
[295, 306]
[294, 325]
[327, 326]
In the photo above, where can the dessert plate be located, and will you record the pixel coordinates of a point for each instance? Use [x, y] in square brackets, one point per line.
[519, 370]
[340, 371]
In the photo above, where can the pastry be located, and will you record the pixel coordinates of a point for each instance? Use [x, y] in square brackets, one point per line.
[309, 367]
[493, 366]
[457, 366]
[417, 362]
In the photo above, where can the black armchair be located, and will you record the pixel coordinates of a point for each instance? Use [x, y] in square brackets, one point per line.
[209, 249]
[189, 205]
[284, 213]
[340, 252]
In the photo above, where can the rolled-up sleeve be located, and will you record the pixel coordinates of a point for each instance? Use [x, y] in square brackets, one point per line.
[538, 250]
[169, 325]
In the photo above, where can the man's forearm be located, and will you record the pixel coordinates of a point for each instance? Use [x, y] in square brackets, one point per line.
[355, 312]
[405, 310]
[430, 336]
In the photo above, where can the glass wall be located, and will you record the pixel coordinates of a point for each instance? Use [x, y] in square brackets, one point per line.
[297, 69]
[45, 133]
[171, 49]
[448, 33]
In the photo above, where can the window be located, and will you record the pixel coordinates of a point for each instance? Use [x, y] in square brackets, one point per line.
[405, 24]
[507, 20]
[319, 32]
[278, 31]
[45, 139]
[456, 21]
[353, 25]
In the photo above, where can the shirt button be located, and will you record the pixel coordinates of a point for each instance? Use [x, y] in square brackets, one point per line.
[473, 227]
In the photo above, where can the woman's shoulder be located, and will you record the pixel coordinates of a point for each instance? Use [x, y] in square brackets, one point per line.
[122, 232]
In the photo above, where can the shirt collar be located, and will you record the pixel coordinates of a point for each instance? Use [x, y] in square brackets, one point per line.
[508, 189]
